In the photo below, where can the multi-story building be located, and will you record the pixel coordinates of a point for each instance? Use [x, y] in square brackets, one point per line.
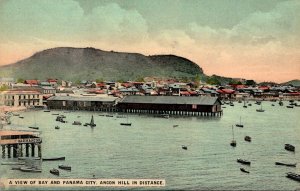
[21, 98]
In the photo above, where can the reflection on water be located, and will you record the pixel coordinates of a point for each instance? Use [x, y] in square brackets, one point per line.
[151, 148]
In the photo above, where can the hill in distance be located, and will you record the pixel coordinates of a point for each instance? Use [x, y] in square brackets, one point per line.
[89, 63]
[292, 82]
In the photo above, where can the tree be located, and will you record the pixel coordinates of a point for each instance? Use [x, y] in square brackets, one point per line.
[250, 83]
[4, 87]
[20, 80]
[99, 80]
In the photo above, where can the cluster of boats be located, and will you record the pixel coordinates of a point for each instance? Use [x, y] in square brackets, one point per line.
[63, 167]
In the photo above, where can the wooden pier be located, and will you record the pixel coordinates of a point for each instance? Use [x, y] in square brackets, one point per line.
[20, 143]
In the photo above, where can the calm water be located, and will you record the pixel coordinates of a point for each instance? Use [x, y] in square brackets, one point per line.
[151, 148]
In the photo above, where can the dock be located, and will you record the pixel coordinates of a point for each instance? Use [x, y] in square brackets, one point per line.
[18, 143]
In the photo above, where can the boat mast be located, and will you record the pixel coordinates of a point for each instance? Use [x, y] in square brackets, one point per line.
[232, 133]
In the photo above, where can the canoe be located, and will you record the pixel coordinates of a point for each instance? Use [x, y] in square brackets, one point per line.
[243, 170]
[64, 167]
[29, 158]
[12, 163]
[286, 164]
[289, 147]
[54, 171]
[30, 169]
[293, 176]
[243, 161]
[54, 159]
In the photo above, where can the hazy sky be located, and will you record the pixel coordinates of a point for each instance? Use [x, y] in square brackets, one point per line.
[253, 39]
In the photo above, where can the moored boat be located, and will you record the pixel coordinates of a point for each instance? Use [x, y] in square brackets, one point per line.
[293, 176]
[289, 147]
[29, 158]
[184, 147]
[54, 159]
[242, 161]
[243, 170]
[290, 106]
[57, 127]
[286, 164]
[240, 124]
[54, 171]
[233, 142]
[64, 167]
[33, 127]
[12, 163]
[248, 138]
[76, 123]
[30, 169]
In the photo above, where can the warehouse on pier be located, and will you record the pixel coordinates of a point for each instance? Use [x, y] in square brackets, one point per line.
[175, 105]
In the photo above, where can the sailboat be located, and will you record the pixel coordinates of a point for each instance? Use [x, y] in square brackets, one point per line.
[260, 110]
[245, 106]
[34, 127]
[240, 124]
[92, 124]
[127, 123]
[233, 142]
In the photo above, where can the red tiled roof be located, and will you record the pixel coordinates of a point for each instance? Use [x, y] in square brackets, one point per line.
[32, 82]
[225, 91]
[184, 93]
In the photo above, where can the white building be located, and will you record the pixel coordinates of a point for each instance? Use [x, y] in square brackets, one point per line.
[21, 98]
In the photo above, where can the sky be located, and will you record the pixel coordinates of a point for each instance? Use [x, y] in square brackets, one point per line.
[252, 39]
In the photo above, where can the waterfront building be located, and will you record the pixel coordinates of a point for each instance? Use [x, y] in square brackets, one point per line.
[21, 98]
[177, 105]
[16, 142]
[82, 102]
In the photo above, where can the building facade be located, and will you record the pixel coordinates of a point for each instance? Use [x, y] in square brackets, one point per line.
[18, 98]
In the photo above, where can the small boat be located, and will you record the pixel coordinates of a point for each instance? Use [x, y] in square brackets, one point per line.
[233, 142]
[240, 124]
[273, 104]
[101, 115]
[293, 176]
[224, 107]
[126, 123]
[16, 114]
[184, 147]
[286, 164]
[76, 123]
[55, 113]
[243, 170]
[280, 103]
[32, 127]
[54, 171]
[109, 116]
[54, 159]
[91, 124]
[249, 104]
[231, 104]
[290, 106]
[64, 167]
[21, 117]
[175, 125]
[289, 147]
[240, 101]
[57, 127]
[46, 110]
[247, 138]
[15, 168]
[12, 163]
[30, 169]
[260, 110]
[243, 161]
[29, 158]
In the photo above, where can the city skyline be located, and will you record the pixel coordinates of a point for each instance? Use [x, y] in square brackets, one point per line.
[241, 39]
